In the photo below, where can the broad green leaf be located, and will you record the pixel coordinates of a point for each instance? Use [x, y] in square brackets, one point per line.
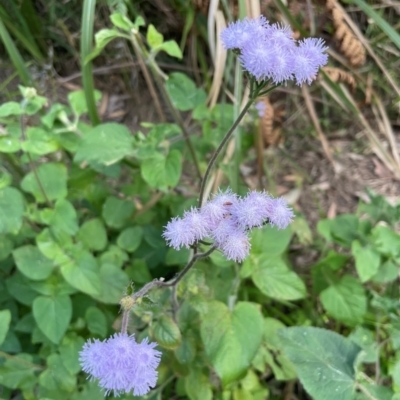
[10, 108]
[122, 22]
[183, 92]
[96, 321]
[345, 300]
[387, 272]
[367, 260]
[53, 181]
[48, 245]
[57, 377]
[102, 38]
[114, 255]
[130, 238]
[5, 179]
[114, 282]
[197, 385]
[77, 100]
[186, 352]
[19, 287]
[93, 234]
[323, 360]
[69, 350]
[171, 48]
[82, 273]
[231, 338]
[386, 240]
[32, 263]
[117, 212]
[270, 240]
[39, 142]
[52, 315]
[276, 280]
[166, 332]
[139, 272]
[11, 210]
[365, 339]
[343, 229]
[5, 319]
[6, 247]
[64, 217]
[162, 171]
[9, 144]
[105, 144]
[17, 371]
[153, 37]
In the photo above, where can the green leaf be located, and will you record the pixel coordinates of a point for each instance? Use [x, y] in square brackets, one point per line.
[323, 360]
[197, 385]
[52, 315]
[10, 108]
[183, 92]
[11, 210]
[77, 100]
[17, 371]
[122, 22]
[114, 282]
[276, 280]
[96, 321]
[345, 300]
[387, 273]
[153, 37]
[82, 273]
[231, 338]
[5, 179]
[102, 38]
[32, 263]
[186, 352]
[69, 350]
[93, 234]
[39, 142]
[270, 240]
[19, 287]
[64, 217]
[386, 241]
[367, 260]
[6, 247]
[9, 144]
[57, 377]
[162, 171]
[105, 144]
[53, 181]
[130, 238]
[5, 319]
[166, 332]
[117, 212]
[171, 48]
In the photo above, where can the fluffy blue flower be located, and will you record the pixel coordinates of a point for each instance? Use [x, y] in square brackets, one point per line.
[226, 220]
[269, 52]
[121, 365]
[308, 58]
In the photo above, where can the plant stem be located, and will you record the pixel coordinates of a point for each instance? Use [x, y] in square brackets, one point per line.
[220, 147]
[140, 56]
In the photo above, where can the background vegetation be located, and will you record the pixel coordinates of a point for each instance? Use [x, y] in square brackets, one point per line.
[110, 111]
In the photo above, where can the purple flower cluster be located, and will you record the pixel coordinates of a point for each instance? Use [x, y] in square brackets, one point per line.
[120, 364]
[268, 51]
[227, 220]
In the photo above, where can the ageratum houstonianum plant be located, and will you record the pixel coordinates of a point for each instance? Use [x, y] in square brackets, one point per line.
[270, 57]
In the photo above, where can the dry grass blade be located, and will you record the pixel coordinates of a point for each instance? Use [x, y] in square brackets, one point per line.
[220, 60]
[339, 75]
[315, 121]
[211, 18]
[367, 46]
[350, 46]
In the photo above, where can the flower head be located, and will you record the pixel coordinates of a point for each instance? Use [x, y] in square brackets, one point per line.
[279, 214]
[121, 365]
[308, 58]
[177, 235]
[236, 246]
[269, 51]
